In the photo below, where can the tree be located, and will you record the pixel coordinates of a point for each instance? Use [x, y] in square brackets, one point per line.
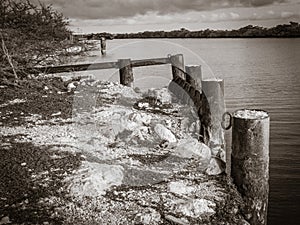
[31, 35]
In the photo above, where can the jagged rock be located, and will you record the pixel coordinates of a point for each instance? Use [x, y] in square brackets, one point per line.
[196, 207]
[93, 179]
[175, 220]
[56, 114]
[192, 148]
[180, 188]
[222, 155]
[216, 166]
[5, 220]
[149, 216]
[143, 105]
[162, 95]
[71, 86]
[141, 118]
[164, 133]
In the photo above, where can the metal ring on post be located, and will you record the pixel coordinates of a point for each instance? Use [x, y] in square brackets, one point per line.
[223, 121]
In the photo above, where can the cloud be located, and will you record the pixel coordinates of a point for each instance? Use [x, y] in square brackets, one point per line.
[234, 15]
[205, 17]
[112, 9]
[271, 12]
[288, 14]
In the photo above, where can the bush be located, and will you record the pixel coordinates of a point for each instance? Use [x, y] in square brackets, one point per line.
[31, 35]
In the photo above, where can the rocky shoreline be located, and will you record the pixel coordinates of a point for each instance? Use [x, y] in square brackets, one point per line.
[82, 151]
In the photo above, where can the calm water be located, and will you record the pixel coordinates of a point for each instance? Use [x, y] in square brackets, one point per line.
[258, 73]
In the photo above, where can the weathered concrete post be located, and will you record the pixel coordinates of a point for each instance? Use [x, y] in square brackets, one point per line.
[213, 89]
[194, 76]
[125, 71]
[103, 45]
[250, 162]
[177, 66]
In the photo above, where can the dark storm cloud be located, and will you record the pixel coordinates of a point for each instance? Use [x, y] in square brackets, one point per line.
[109, 9]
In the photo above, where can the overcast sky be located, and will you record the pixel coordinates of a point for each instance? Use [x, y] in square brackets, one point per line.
[120, 16]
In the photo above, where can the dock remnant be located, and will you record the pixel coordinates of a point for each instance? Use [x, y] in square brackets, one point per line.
[194, 76]
[206, 95]
[177, 63]
[250, 161]
[103, 45]
[214, 92]
[126, 73]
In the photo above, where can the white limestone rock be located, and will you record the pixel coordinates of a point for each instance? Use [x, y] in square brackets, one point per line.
[196, 208]
[192, 148]
[141, 118]
[180, 188]
[163, 95]
[164, 133]
[5, 220]
[72, 86]
[148, 216]
[177, 221]
[216, 166]
[93, 179]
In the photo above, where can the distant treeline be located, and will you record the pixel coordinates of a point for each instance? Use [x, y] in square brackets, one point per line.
[280, 31]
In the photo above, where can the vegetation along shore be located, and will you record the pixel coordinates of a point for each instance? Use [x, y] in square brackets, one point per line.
[291, 30]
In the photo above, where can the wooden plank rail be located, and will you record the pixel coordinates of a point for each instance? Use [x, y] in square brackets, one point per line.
[73, 68]
[126, 72]
[96, 66]
[150, 62]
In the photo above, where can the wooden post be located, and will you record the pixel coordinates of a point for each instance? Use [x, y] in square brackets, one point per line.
[126, 73]
[214, 91]
[177, 66]
[194, 76]
[103, 45]
[250, 162]
[71, 38]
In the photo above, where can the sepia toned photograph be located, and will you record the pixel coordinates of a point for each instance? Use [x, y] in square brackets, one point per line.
[149, 112]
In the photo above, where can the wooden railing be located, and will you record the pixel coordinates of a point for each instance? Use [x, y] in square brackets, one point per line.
[98, 66]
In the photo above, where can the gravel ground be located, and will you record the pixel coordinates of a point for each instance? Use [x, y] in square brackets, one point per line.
[105, 154]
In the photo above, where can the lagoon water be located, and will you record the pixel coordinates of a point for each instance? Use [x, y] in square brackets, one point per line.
[258, 73]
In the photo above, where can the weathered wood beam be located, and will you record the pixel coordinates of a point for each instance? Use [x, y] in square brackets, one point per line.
[73, 68]
[95, 66]
[150, 62]
[125, 71]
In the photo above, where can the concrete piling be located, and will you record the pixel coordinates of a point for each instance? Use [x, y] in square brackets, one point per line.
[194, 76]
[213, 89]
[250, 162]
[177, 63]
